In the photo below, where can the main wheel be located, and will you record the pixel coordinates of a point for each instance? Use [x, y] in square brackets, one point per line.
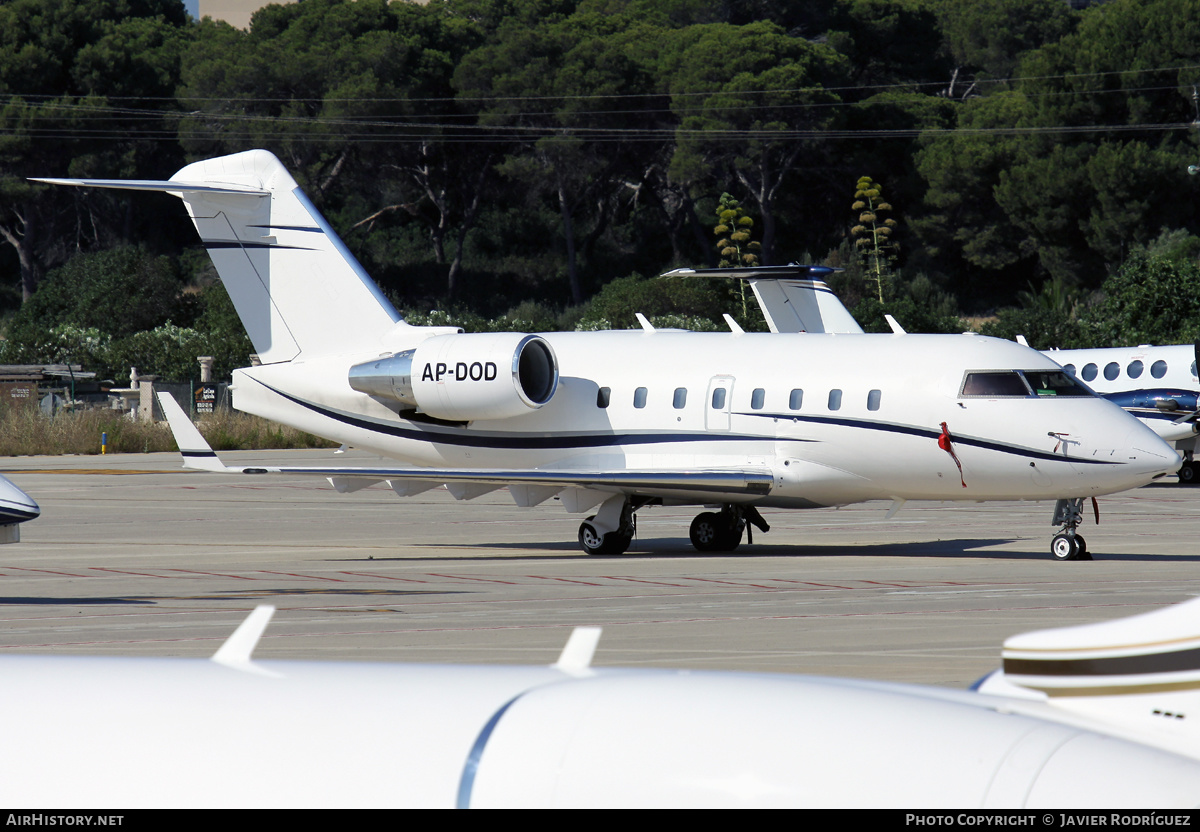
[1187, 473]
[732, 538]
[1066, 546]
[707, 532]
[594, 543]
[711, 532]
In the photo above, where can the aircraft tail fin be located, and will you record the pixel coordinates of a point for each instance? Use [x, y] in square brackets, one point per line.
[295, 285]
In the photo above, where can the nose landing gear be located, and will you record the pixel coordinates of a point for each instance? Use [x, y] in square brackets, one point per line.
[1067, 545]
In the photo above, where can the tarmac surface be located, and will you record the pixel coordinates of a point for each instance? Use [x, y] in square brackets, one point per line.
[133, 556]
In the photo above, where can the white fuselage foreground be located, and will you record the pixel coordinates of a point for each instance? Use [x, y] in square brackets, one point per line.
[835, 419]
[128, 733]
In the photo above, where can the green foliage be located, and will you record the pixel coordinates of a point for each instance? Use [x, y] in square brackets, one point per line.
[120, 292]
[1148, 301]
[917, 305]
[1043, 328]
[990, 36]
[1175, 244]
[617, 303]
[483, 153]
[114, 310]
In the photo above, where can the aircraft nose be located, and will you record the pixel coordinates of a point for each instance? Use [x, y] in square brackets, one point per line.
[15, 505]
[1149, 456]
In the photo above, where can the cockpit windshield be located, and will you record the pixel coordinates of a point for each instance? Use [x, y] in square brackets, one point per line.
[1021, 384]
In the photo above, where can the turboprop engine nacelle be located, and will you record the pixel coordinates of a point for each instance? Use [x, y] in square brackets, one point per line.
[464, 377]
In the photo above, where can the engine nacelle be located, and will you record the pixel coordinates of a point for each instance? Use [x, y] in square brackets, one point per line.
[464, 377]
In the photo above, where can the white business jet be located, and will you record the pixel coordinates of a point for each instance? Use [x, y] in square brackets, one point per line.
[1158, 385]
[616, 421]
[1098, 716]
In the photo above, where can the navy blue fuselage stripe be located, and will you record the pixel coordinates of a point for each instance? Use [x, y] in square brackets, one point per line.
[247, 244]
[518, 442]
[313, 229]
[912, 430]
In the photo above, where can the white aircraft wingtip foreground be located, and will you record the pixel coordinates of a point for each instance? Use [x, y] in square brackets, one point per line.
[237, 732]
[615, 422]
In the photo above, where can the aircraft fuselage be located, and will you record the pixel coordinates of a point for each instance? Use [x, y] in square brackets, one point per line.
[835, 419]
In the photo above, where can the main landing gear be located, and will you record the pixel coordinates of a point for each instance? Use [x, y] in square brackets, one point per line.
[611, 529]
[1067, 545]
[721, 531]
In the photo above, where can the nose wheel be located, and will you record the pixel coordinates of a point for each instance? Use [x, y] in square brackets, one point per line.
[1067, 545]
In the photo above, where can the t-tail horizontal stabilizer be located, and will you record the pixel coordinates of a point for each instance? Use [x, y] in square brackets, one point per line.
[295, 285]
[793, 298]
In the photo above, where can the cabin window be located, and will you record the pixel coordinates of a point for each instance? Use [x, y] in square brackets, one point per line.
[1135, 368]
[680, 399]
[603, 396]
[1158, 369]
[718, 398]
[796, 399]
[1089, 371]
[1112, 370]
[1070, 368]
[1001, 383]
[639, 397]
[757, 397]
[835, 399]
[1193, 368]
[873, 399]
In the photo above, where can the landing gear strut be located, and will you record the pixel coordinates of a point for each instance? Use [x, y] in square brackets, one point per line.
[1188, 473]
[722, 531]
[1067, 545]
[609, 531]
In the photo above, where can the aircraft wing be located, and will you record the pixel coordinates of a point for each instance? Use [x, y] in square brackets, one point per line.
[580, 489]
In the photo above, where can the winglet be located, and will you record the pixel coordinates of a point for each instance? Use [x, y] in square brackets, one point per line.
[576, 657]
[196, 452]
[235, 652]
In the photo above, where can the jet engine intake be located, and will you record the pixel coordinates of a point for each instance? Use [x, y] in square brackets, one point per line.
[465, 377]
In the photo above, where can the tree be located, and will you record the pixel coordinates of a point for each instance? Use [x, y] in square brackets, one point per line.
[572, 96]
[989, 37]
[86, 88]
[745, 97]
